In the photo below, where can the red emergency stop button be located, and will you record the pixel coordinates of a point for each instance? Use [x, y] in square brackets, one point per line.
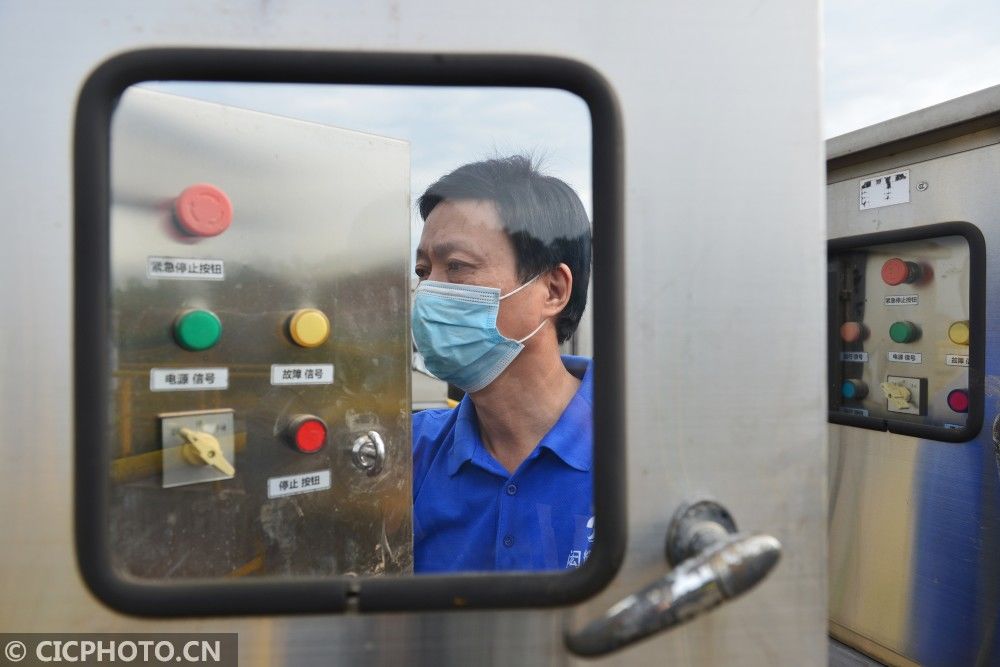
[958, 400]
[307, 433]
[896, 272]
[203, 210]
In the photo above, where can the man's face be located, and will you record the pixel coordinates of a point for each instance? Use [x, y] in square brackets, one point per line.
[463, 242]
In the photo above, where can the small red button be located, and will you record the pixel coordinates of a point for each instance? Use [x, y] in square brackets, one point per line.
[203, 210]
[309, 435]
[896, 272]
[958, 400]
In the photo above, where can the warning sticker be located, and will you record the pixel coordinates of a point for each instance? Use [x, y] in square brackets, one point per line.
[885, 190]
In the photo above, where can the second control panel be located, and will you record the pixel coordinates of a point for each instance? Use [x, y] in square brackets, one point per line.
[904, 316]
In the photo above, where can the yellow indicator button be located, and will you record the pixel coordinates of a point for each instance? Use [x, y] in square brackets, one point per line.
[958, 332]
[309, 327]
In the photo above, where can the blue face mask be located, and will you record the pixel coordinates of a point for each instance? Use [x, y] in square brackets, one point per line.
[455, 330]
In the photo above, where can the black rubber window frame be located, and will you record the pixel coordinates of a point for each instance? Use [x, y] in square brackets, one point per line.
[91, 163]
[977, 330]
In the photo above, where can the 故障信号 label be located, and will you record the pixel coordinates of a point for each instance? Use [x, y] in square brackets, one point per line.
[301, 374]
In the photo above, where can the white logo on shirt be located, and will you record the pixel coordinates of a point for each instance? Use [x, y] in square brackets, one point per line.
[577, 557]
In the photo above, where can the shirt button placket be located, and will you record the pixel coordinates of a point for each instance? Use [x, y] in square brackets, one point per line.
[508, 540]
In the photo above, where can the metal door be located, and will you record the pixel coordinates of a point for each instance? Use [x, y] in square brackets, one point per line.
[724, 305]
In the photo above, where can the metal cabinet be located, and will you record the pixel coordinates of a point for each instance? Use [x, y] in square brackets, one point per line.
[914, 516]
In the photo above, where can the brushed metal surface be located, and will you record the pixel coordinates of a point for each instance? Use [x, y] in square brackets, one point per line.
[720, 403]
[320, 221]
[915, 524]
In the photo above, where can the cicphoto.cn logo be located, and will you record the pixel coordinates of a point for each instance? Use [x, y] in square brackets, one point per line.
[15, 651]
[147, 649]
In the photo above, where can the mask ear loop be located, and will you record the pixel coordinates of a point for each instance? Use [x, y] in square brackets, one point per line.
[515, 291]
[537, 329]
[520, 341]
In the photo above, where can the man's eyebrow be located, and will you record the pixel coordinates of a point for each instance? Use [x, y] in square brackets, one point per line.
[446, 247]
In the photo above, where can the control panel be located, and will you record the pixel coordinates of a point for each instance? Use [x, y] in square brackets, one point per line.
[258, 409]
[906, 337]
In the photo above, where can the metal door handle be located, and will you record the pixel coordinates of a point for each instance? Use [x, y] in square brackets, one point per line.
[712, 563]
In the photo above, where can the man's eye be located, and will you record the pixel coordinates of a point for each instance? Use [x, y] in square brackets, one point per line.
[456, 266]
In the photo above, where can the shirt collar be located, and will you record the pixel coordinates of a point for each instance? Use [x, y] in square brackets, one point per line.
[571, 438]
[466, 438]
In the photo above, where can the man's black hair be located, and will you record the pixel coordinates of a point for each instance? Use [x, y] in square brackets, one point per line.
[542, 215]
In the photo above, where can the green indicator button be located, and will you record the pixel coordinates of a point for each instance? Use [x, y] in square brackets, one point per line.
[197, 330]
[904, 332]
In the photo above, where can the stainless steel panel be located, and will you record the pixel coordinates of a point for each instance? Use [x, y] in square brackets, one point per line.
[915, 524]
[733, 413]
[321, 220]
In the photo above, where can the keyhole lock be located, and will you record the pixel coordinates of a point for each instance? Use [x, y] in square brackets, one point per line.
[368, 453]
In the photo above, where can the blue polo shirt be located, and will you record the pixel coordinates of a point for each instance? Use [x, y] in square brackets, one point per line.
[470, 514]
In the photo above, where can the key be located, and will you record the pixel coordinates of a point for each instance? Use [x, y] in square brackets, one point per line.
[203, 449]
[898, 395]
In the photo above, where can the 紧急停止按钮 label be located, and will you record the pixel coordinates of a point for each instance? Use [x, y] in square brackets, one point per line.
[902, 300]
[183, 268]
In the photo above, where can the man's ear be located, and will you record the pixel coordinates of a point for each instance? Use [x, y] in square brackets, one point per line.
[558, 283]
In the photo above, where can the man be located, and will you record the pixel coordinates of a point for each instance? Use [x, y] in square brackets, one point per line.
[502, 482]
